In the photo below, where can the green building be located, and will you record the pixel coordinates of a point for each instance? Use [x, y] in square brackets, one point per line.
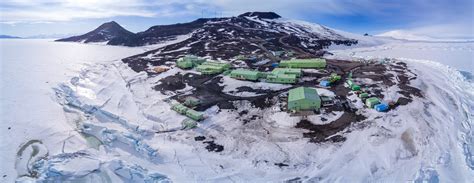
[245, 74]
[304, 63]
[303, 99]
[189, 61]
[334, 77]
[195, 115]
[184, 64]
[355, 87]
[352, 85]
[296, 72]
[283, 75]
[281, 78]
[371, 102]
[363, 95]
[179, 108]
[191, 101]
[189, 123]
[212, 67]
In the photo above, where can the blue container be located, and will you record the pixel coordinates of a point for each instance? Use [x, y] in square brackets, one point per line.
[275, 65]
[381, 107]
[325, 83]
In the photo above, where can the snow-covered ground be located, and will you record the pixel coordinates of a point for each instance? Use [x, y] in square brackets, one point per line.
[48, 97]
[459, 55]
[429, 139]
[28, 72]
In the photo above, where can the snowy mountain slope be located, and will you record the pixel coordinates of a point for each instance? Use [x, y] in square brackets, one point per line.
[400, 34]
[409, 36]
[225, 38]
[251, 22]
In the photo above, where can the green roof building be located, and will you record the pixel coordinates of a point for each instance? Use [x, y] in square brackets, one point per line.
[352, 85]
[281, 78]
[189, 123]
[371, 102]
[212, 67]
[245, 74]
[355, 87]
[334, 77]
[180, 108]
[296, 72]
[304, 63]
[363, 95]
[303, 99]
[194, 114]
[283, 75]
[184, 64]
[189, 61]
[350, 82]
[191, 101]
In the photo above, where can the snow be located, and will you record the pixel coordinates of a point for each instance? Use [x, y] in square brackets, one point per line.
[324, 32]
[459, 55]
[29, 71]
[408, 35]
[231, 86]
[284, 119]
[177, 39]
[401, 138]
[325, 92]
[400, 34]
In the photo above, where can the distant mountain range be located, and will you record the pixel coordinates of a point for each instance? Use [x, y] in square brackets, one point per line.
[9, 37]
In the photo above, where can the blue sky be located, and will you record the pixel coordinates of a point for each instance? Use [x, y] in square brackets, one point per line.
[436, 18]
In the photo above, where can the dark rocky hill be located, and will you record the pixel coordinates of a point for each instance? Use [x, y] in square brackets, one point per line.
[259, 34]
[251, 33]
[265, 15]
[104, 32]
[158, 33]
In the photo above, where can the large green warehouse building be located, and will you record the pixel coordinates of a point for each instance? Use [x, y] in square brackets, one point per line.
[245, 74]
[304, 63]
[212, 67]
[303, 99]
[284, 75]
[189, 61]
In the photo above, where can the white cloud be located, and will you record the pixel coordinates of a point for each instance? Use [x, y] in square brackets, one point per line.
[66, 10]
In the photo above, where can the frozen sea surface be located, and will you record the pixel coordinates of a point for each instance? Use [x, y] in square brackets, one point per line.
[29, 70]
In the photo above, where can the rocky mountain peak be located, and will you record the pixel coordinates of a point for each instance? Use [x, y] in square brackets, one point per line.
[261, 15]
[105, 32]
